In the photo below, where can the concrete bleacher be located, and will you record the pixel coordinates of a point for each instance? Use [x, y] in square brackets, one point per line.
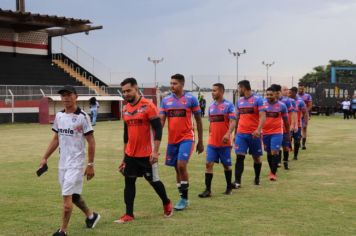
[22, 69]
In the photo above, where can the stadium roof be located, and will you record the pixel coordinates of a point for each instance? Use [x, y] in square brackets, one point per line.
[52, 24]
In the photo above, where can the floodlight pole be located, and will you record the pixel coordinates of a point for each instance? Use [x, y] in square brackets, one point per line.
[268, 65]
[155, 62]
[237, 55]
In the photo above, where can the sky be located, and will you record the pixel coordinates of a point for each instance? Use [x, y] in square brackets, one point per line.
[193, 36]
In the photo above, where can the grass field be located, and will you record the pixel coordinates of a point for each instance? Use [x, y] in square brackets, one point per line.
[316, 197]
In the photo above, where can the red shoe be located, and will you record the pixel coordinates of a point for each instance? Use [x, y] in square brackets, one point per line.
[124, 219]
[168, 209]
[272, 176]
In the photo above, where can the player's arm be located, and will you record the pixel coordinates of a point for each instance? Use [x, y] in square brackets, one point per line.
[286, 123]
[200, 146]
[232, 125]
[89, 171]
[157, 127]
[50, 149]
[126, 140]
[305, 113]
[163, 119]
[261, 123]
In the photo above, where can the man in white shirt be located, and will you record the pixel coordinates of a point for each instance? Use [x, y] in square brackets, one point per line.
[72, 127]
[346, 108]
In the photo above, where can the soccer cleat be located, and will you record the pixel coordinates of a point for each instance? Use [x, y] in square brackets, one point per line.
[181, 205]
[59, 233]
[228, 191]
[168, 209]
[285, 164]
[279, 165]
[124, 219]
[91, 223]
[304, 148]
[272, 176]
[205, 194]
[257, 181]
[295, 158]
[235, 185]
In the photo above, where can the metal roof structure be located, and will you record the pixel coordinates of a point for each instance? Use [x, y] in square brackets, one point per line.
[22, 21]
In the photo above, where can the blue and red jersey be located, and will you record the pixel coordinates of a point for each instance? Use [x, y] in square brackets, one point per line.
[220, 115]
[307, 98]
[247, 110]
[290, 104]
[179, 111]
[274, 118]
[301, 107]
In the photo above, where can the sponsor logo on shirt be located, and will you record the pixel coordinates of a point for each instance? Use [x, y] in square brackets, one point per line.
[247, 110]
[68, 132]
[176, 113]
[272, 114]
[216, 118]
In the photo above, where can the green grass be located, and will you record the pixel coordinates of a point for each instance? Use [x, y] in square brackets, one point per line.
[316, 197]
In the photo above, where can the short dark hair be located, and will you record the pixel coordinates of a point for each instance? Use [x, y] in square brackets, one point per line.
[272, 89]
[220, 86]
[178, 77]
[131, 81]
[300, 84]
[245, 84]
[276, 87]
[294, 89]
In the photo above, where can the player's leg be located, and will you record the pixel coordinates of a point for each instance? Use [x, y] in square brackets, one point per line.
[296, 138]
[208, 179]
[171, 160]
[211, 158]
[225, 158]
[92, 218]
[67, 212]
[185, 150]
[304, 136]
[241, 146]
[286, 144]
[151, 175]
[267, 148]
[276, 142]
[256, 152]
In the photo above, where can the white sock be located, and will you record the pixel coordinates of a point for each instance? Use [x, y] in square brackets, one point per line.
[91, 216]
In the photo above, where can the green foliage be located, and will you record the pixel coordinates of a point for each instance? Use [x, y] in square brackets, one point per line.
[322, 73]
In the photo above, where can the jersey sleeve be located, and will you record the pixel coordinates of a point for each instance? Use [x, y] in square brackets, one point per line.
[231, 112]
[163, 108]
[293, 106]
[289, 105]
[284, 111]
[86, 124]
[195, 105]
[261, 104]
[302, 106]
[55, 124]
[152, 111]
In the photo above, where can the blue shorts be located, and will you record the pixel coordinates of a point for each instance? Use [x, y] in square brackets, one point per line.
[286, 141]
[179, 152]
[272, 142]
[303, 123]
[245, 142]
[297, 135]
[219, 154]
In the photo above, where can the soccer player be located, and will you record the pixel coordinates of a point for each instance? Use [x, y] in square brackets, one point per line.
[301, 113]
[142, 139]
[290, 104]
[292, 118]
[178, 108]
[308, 102]
[222, 120]
[71, 128]
[251, 116]
[276, 118]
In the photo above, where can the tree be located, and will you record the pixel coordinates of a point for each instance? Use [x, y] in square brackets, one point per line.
[323, 73]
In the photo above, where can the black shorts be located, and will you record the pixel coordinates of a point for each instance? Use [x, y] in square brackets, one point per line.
[138, 167]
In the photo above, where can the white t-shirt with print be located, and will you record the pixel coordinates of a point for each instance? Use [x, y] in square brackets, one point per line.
[71, 129]
[346, 105]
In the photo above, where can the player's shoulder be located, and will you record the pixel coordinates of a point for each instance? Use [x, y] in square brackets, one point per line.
[81, 113]
[227, 103]
[189, 95]
[168, 98]
[60, 113]
[282, 104]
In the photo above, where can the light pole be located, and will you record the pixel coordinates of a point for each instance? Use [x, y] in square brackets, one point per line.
[268, 65]
[237, 54]
[155, 62]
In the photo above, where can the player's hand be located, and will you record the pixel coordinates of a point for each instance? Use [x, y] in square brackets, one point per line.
[43, 162]
[154, 157]
[200, 147]
[226, 138]
[256, 133]
[89, 172]
[121, 167]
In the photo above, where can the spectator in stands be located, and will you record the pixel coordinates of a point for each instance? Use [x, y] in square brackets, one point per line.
[346, 108]
[353, 106]
[94, 106]
[202, 104]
